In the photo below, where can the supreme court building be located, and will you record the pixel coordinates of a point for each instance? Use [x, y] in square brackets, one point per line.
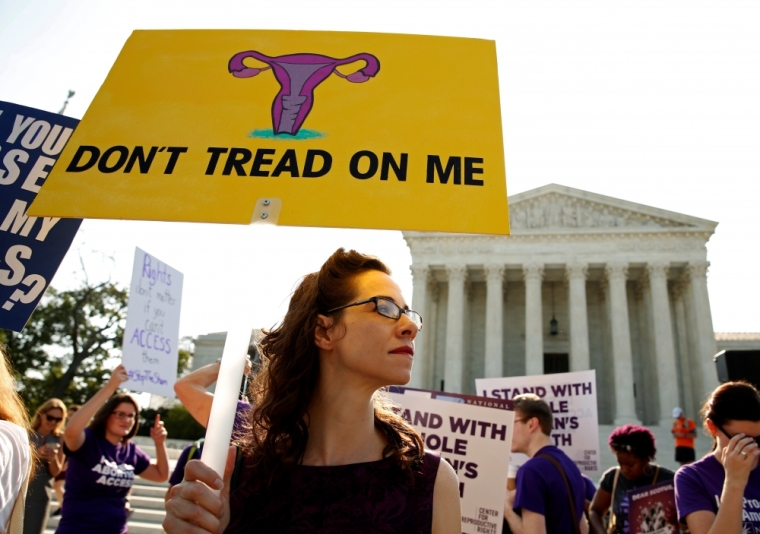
[585, 281]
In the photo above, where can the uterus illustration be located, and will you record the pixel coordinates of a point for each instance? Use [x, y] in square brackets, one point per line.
[298, 76]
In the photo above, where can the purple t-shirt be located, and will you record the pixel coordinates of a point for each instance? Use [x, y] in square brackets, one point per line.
[179, 470]
[98, 479]
[241, 416]
[590, 487]
[699, 487]
[541, 489]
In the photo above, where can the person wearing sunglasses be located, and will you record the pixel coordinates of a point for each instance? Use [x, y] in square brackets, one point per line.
[47, 432]
[103, 462]
[720, 494]
[324, 449]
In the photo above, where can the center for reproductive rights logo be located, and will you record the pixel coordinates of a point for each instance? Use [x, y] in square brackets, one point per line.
[298, 76]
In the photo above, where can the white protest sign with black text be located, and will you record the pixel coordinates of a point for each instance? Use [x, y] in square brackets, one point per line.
[572, 398]
[151, 336]
[476, 442]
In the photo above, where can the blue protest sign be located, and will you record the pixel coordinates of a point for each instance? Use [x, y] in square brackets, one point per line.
[31, 248]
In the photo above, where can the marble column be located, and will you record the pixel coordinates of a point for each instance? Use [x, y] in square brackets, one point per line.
[580, 359]
[422, 368]
[684, 354]
[625, 406]
[494, 367]
[455, 328]
[704, 335]
[664, 345]
[533, 274]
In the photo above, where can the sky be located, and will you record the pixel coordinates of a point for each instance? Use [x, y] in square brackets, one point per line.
[648, 101]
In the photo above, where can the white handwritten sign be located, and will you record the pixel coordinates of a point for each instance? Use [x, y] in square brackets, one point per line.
[151, 336]
[572, 399]
[476, 442]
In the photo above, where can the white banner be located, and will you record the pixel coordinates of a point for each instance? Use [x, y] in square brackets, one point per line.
[572, 398]
[151, 336]
[476, 442]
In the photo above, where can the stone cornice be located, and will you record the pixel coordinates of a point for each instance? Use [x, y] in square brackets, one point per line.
[445, 244]
[611, 203]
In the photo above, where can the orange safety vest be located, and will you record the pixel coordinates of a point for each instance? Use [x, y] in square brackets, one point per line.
[681, 427]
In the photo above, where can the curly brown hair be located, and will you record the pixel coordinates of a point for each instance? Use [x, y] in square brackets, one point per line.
[278, 429]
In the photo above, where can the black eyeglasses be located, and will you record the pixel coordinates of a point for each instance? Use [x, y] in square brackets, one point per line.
[52, 419]
[122, 415]
[730, 436]
[386, 308]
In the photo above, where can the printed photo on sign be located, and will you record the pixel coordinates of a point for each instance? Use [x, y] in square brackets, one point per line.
[572, 399]
[299, 119]
[652, 510]
[31, 248]
[476, 442]
[151, 335]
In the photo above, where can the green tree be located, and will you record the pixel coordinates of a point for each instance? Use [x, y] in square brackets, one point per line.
[65, 348]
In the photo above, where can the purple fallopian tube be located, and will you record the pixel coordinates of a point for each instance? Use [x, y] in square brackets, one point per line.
[298, 76]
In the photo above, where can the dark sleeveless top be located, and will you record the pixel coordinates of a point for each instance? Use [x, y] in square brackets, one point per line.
[356, 498]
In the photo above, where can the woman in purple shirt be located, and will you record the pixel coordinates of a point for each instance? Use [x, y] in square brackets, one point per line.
[103, 461]
[324, 451]
[720, 494]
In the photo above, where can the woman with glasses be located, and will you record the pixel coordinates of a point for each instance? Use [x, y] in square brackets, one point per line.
[720, 494]
[634, 447]
[324, 450]
[103, 462]
[47, 430]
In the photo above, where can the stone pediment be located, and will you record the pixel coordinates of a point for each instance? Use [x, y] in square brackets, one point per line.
[555, 207]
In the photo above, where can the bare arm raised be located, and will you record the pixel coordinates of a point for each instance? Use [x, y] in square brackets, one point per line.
[74, 434]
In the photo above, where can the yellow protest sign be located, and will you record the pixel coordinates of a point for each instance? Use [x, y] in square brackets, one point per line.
[337, 129]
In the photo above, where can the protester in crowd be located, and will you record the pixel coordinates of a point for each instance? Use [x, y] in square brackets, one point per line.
[192, 392]
[550, 492]
[684, 431]
[60, 478]
[47, 433]
[324, 449]
[191, 452]
[589, 493]
[719, 494]
[635, 449]
[16, 452]
[103, 461]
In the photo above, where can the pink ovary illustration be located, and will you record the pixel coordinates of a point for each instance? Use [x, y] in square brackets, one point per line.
[298, 76]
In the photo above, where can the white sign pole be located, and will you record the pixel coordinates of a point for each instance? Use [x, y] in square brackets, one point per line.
[226, 396]
[150, 349]
[572, 398]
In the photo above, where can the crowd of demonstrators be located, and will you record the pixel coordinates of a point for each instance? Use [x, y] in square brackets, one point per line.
[192, 392]
[635, 448]
[550, 491]
[719, 494]
[46, 436]
[103, 461]
[16, 452]
[191, 452]
[323, 449]
[60, 478]
[684, 431]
